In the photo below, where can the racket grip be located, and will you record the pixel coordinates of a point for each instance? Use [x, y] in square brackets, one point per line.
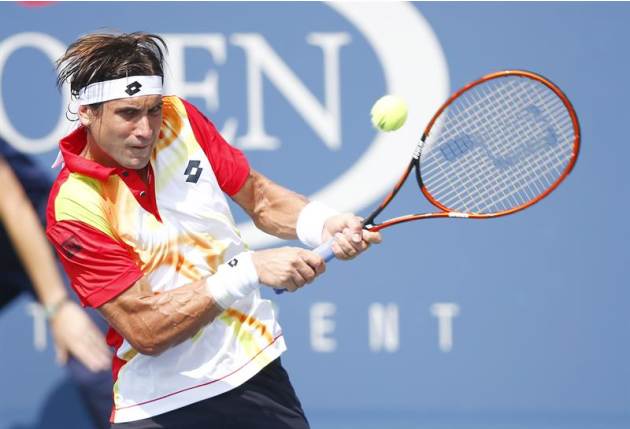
[324, 250]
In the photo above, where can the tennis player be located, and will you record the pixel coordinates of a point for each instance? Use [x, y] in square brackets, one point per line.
[139, 218]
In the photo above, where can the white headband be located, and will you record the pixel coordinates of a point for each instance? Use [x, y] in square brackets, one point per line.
[126, 87]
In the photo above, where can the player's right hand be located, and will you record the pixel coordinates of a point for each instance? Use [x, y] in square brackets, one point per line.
[287, 268]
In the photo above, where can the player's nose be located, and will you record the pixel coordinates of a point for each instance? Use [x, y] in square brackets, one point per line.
[143, 128]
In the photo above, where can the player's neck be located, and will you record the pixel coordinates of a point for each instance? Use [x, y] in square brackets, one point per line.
[93, 152]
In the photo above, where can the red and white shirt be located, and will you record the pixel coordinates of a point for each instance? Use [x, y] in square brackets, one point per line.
[110, 230]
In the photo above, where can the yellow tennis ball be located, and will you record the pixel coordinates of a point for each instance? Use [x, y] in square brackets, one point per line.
[389, 113]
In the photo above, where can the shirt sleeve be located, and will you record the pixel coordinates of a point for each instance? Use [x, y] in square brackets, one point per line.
[99, 268]
[228, 163]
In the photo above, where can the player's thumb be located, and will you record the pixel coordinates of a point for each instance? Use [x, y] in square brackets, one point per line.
[372, 237]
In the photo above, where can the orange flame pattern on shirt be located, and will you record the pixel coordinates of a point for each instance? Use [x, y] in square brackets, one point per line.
[172, 125]
[251, 321]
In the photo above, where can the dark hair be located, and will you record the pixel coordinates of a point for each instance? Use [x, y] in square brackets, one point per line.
[101, 56]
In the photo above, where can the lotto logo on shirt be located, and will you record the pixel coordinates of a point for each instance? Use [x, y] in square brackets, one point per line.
[193, 171]
[71, 246]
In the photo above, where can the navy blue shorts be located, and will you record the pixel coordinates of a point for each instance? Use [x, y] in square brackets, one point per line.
[266, 401]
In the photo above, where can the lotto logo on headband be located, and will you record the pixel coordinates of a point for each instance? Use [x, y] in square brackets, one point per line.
[126, 87]
[133, 88]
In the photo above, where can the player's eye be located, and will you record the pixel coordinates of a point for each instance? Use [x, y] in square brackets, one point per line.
[155, 110]
[128, 113]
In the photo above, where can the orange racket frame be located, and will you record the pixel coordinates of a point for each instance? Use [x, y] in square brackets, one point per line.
[446, 212]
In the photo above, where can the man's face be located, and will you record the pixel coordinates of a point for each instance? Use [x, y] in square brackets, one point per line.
[124, 131]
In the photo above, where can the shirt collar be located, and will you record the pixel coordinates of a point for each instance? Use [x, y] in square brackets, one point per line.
[71, 147]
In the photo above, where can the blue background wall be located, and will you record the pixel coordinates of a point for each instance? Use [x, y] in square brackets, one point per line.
[541, 335]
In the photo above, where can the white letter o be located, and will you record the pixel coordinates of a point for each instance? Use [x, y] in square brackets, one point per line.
[53, 49]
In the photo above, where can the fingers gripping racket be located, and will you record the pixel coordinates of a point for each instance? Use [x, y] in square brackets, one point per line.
[495, 147]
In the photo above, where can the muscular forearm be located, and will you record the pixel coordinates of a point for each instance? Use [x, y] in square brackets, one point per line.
[273, 209]
[153, 322]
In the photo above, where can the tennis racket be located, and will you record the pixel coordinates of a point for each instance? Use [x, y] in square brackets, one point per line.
[497, 146]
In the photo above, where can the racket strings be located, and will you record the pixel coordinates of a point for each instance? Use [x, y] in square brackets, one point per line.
[498, 146]
[503, 158]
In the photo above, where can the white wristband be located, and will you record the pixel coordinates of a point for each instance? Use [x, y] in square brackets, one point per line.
[310, 224]
[233, 280]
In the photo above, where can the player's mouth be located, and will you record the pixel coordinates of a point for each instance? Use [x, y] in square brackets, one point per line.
[140, 148]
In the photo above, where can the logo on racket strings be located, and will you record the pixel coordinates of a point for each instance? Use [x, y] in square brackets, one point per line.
[464, 144]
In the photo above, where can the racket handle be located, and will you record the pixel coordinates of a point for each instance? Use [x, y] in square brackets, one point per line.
[324, 250]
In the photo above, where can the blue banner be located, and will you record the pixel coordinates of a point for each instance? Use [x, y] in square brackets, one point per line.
[517, 319]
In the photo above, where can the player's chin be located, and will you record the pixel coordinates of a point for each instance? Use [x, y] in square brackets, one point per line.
[137, 156]
[137, 161]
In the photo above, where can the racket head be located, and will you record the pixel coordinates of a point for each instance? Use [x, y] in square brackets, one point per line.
[497, 146]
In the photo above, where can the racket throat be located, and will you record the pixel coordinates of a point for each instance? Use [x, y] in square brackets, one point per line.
[368, 222]
[418, 149]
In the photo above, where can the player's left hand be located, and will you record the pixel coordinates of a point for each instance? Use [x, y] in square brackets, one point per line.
[350, 237]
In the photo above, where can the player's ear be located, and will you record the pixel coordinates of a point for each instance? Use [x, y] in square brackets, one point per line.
[87, 115]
